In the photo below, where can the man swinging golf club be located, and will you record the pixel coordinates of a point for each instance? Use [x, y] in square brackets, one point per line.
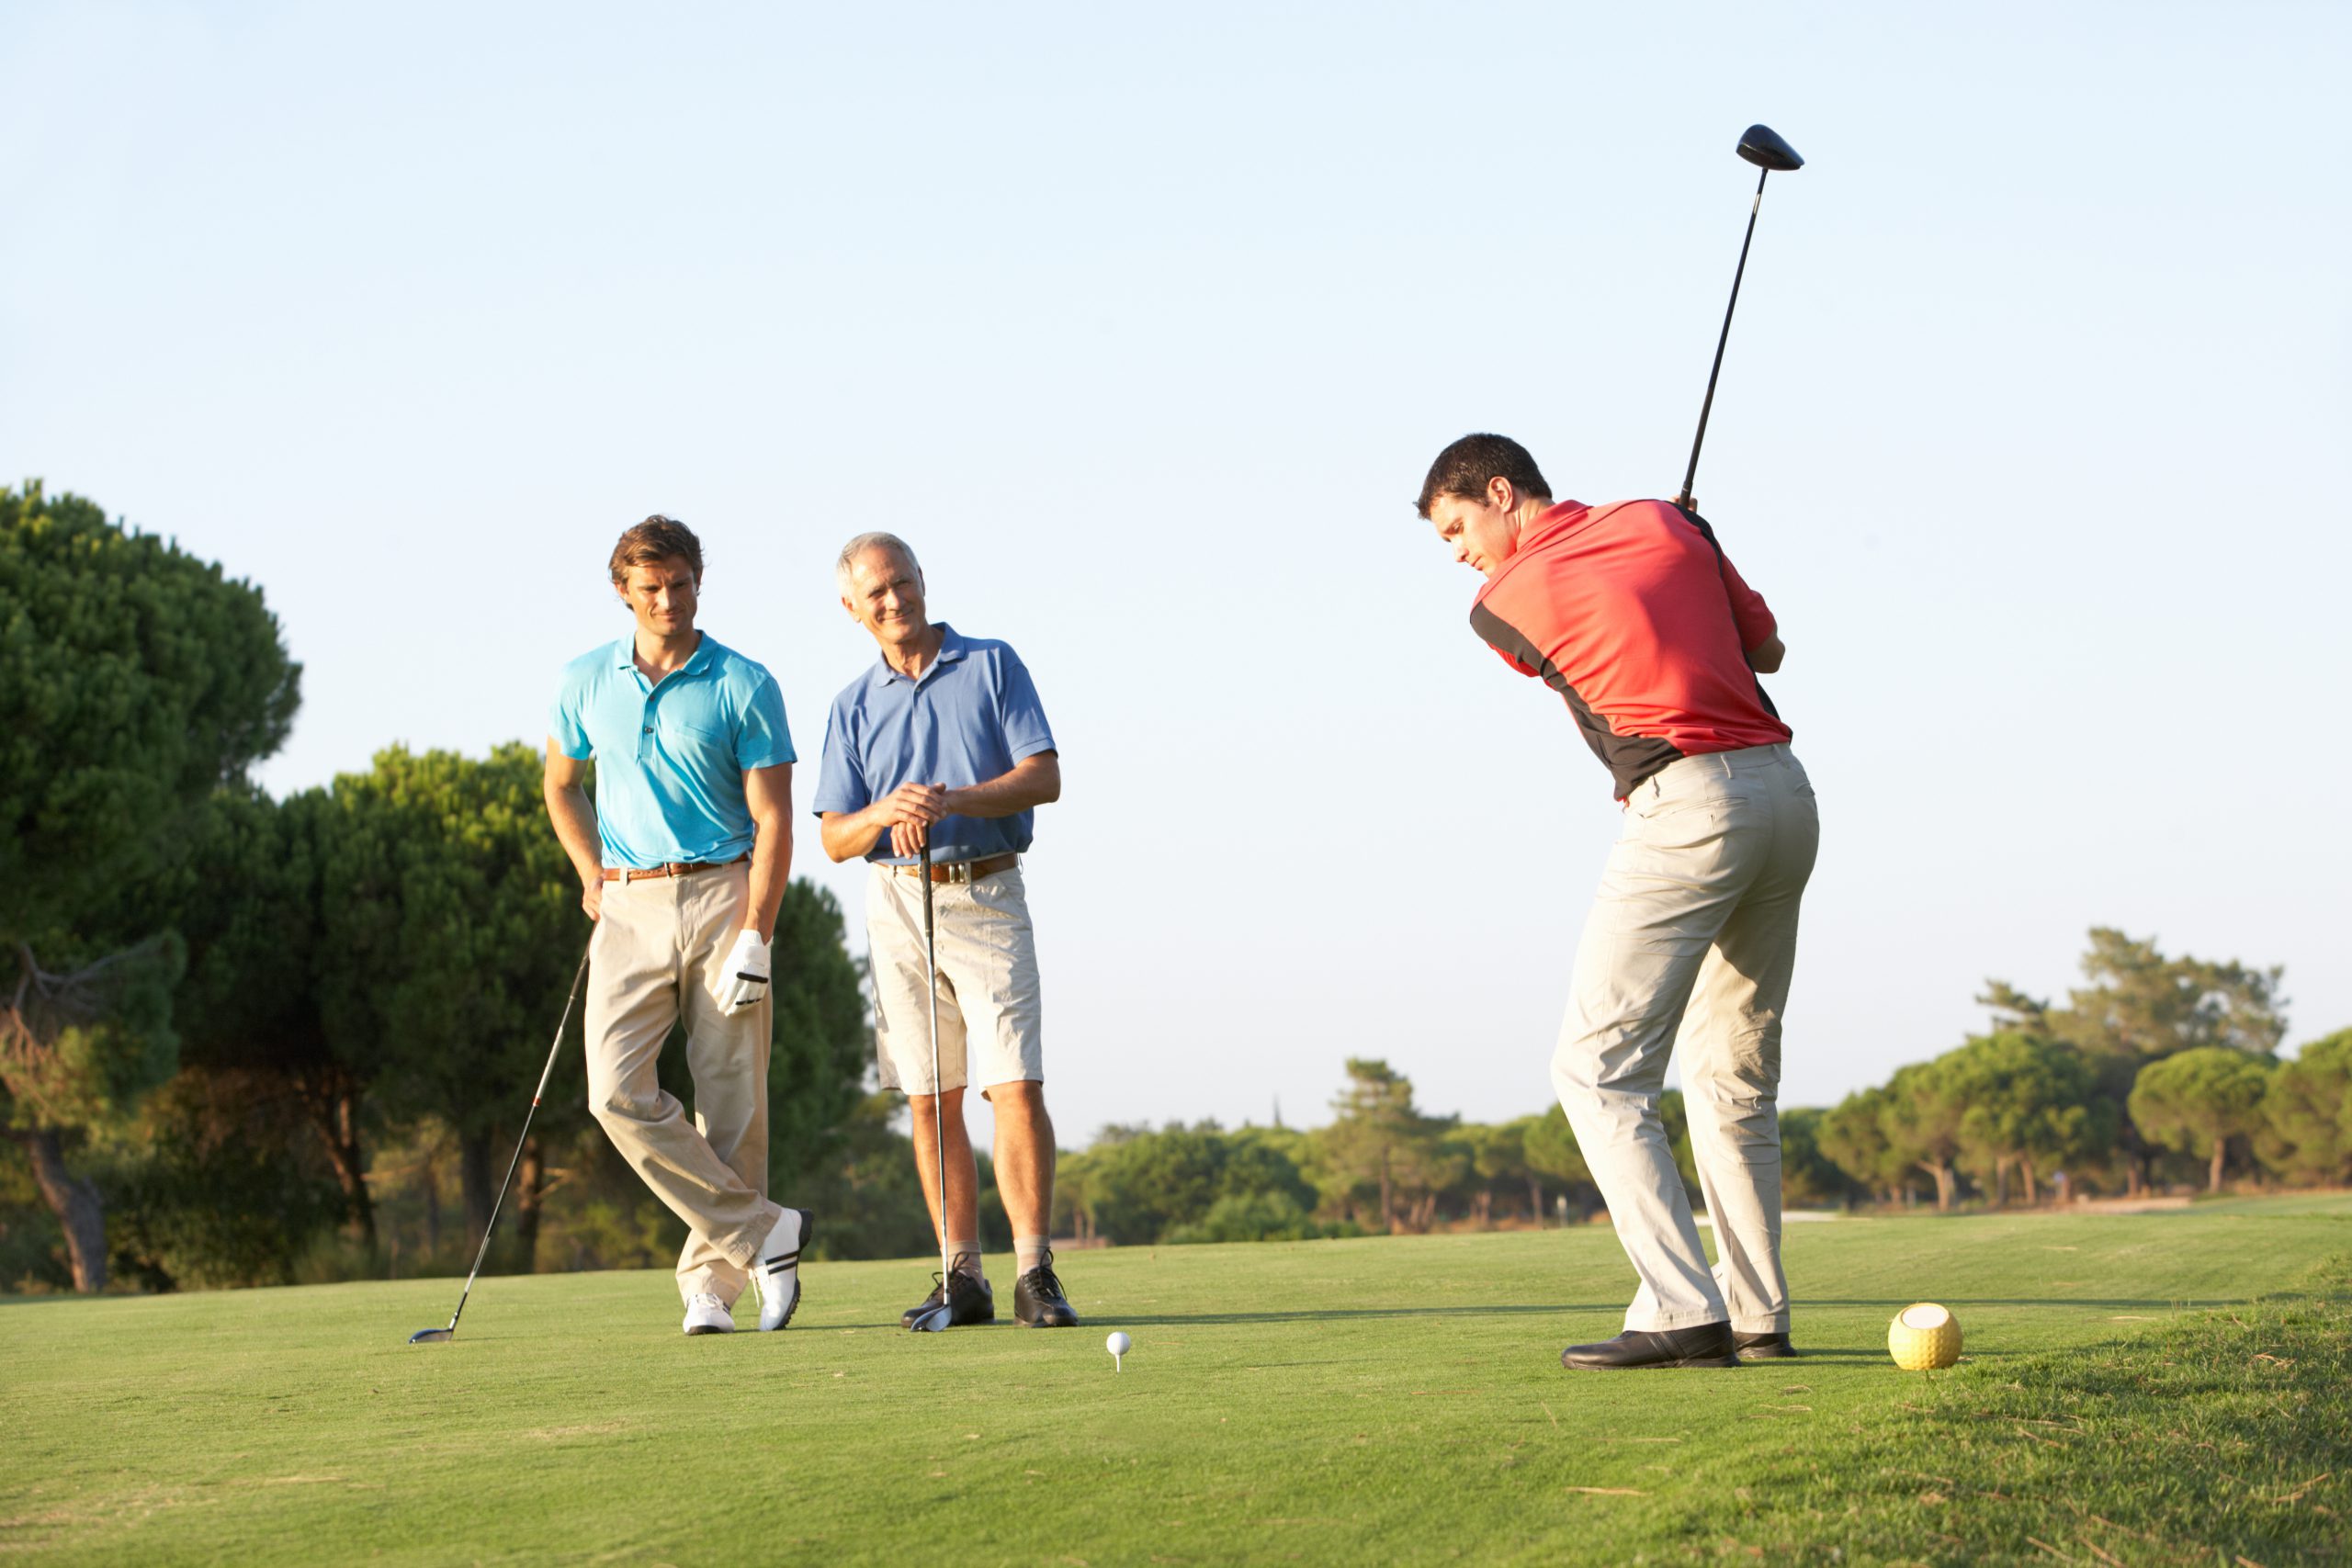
[683, 860]
[1633, 612]
[936, 758]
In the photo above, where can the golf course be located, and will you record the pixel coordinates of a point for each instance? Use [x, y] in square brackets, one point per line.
[2160, 1388]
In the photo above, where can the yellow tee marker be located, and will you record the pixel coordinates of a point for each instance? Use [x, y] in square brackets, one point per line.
[1923, 1336]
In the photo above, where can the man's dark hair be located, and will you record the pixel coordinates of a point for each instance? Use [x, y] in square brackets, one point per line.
[1465, 468]
[655, 540]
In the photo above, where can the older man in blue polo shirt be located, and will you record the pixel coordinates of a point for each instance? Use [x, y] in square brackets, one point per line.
[942, 742]
[683, 860]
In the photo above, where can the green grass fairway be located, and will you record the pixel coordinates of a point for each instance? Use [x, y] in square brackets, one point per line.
[1363, 1402]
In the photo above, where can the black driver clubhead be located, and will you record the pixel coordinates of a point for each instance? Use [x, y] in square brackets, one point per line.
[432, 1335]
[1762, 146]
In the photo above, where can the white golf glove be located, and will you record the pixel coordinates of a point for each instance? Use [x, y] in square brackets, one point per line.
[746, 972]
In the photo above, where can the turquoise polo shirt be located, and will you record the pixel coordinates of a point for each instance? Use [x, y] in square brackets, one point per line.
[972, 715]
[670, 758]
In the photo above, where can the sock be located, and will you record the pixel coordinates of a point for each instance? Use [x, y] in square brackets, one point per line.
[966, 1256]
[1029, 1251]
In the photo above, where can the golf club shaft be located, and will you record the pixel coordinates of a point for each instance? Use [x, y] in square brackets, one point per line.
[545, 1072]
[1691, 474]
[938, 1090]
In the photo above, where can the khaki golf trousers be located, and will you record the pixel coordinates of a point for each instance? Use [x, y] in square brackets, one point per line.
[1691, 940]
[657, 960]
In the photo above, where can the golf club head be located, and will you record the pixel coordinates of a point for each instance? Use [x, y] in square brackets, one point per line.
[1762, 146]
[432, 1335]
[932, 1319]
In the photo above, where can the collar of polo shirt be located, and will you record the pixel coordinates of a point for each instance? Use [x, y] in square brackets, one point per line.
[951, 649]
[696, 661]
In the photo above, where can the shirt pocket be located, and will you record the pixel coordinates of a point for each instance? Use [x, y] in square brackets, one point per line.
[696, 740]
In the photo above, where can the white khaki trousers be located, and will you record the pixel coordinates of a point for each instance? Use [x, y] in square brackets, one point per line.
[1691, 940]
[658, 959]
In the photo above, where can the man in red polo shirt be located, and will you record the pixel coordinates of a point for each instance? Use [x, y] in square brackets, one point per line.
[1632, 612]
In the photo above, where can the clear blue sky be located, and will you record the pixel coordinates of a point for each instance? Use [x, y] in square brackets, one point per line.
[1143, 326]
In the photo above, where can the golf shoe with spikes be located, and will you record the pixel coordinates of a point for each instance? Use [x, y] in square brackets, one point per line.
[1761, 1346]
[1701, 1344]
[1038, 1301]
[706, 1313]
[968, 1298]
[776, 1273]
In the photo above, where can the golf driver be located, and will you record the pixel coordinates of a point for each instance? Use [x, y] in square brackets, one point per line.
[437, 1335]
[935, 1319]
[1761, 146]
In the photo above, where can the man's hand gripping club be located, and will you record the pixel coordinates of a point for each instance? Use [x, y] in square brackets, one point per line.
[910, 809]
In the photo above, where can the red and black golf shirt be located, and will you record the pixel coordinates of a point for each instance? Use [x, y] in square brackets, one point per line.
[1632, 613]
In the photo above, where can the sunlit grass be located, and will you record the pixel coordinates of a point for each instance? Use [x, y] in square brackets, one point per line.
[1358, 1401]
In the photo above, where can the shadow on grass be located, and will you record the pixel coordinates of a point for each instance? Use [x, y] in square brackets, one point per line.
[1872, 1355]
[1319, 1314]
[2169, 1304]
[1890, 1304]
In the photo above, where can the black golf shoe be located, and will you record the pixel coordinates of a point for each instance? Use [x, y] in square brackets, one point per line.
[1038, 1302]
[1761, 1346]
[1702, 1345]
[968, 1298]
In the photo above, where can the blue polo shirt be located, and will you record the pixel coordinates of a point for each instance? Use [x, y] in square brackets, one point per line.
[972, 715]
[670, 758]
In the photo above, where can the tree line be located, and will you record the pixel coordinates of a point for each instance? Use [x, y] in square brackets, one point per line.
[1382, 1165]
[2161, 1071]
[2158, 1067]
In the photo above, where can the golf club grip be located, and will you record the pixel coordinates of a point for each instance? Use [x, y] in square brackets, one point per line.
[564, 1023]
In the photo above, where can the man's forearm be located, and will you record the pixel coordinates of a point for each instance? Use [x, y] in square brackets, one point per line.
[1032, 782]
[849, 834]
[771, 869]
[574, 815]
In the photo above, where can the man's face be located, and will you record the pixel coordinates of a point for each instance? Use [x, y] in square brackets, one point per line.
[661, 597]
[1478, 530]
[885, 597]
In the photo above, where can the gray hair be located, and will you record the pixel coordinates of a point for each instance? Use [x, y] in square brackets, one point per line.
[864, 542]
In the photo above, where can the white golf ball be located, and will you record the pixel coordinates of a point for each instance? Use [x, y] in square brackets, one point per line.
[1118, 1344]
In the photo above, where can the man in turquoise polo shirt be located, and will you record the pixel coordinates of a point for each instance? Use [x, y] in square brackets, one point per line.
[683, 860]
[942, 742]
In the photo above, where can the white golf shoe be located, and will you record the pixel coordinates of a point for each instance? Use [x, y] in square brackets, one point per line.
[706, 1313]
[776, 1273]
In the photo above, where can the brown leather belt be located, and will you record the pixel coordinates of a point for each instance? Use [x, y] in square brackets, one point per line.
[962, 870]
[669, 868]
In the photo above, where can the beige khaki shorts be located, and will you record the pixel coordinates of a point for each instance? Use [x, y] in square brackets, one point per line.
[989, 1027]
